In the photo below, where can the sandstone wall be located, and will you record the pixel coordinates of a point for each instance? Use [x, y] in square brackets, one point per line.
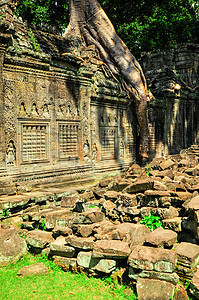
[63, 117]
[173, 79]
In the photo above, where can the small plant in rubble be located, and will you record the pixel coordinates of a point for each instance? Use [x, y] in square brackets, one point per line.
[151, 222]
[148, 169]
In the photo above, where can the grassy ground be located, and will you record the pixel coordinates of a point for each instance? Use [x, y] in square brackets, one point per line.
[56, 284]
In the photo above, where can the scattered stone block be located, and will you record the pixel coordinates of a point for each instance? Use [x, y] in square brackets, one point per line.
[188, 258]
[139, 186]
[35, 269]
[180, 293]
[85, 230]
[66, 263]
[173, 224]
[80, 242]
[161, 238]
[105, 266]
[134, 274]
[12, 246]
[69, 201]
[111, 195]
[62, 230]
[59, 248]
[126, 199]
[194, 285]
[153, 289]
[137, 235]
[167, 164]
[112, 249]
[153, 259]
[39, 239]
[93, 216]
[84, 259]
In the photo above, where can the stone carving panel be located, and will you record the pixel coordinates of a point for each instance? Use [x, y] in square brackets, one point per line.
[34, 141]
[68, 139]
[108, 140]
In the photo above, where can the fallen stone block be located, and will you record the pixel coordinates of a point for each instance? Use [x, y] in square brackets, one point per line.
[84, 259]
[194, 285]
[93, 216]
[173, 224]
[134, 274]
[69, 201]
[61, 230]
[80, 242]
[112, 249]
[105, 266]
[111, 195]
[39, 239]
[85, 230]
[126, 199]
[153, 259]
[12, 246]
[167, 164]
[59, 248]
[161, 238]
[139, 186]
[35, 269]
[188, 257]
[153, 289]
[137, 235]
[66, 263]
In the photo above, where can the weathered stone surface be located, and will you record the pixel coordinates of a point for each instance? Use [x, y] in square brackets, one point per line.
[62, 230]
[163, 213]
[139, 186]
[161, 238]
[105, 266]
[126, 199]
[194, 285]
[137, 235]
[12, 246]
[138, 273]
[111, 249]
[111, 195]
[93, 216]
[66, 263]
[180, 293]
[153, 259]
[153, 289]
[84, 259]
[39, 238]
[159, 186]
[35, 269]
[69, 201]
[85, 230]
[192, 204]
[80, 242]
[187, 255]
[59, 248]
[173, 224]
[167, 164]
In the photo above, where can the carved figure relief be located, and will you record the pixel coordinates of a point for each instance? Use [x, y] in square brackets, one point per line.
[87, 152]
[11, 154]
[94, 153]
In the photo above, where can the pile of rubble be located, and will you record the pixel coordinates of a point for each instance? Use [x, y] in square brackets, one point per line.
[97, 231]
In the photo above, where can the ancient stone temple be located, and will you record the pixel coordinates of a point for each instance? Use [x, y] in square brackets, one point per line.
[65, 117]
[62, 116]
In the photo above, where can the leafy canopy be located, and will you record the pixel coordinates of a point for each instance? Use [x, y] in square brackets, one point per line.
[144, 25]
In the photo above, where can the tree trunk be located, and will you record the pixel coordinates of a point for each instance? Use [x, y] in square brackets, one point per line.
[89, 22]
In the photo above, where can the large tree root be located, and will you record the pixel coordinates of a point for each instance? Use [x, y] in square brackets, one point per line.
[89, 22]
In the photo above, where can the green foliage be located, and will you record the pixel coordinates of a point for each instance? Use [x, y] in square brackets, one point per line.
[33, 41]
[5, 213]
[151, 222]
[52, 12]
[144, 25]
[43, 224]
[148, 169]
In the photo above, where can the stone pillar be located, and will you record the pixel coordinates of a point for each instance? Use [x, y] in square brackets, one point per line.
[2, 128]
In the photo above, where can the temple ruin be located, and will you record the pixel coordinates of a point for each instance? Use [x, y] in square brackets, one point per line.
[63, 117]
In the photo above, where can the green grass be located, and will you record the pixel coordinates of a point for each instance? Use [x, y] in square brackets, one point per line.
[55, 285]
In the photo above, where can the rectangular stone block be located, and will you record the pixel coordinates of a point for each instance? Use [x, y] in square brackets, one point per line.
[153, 259]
